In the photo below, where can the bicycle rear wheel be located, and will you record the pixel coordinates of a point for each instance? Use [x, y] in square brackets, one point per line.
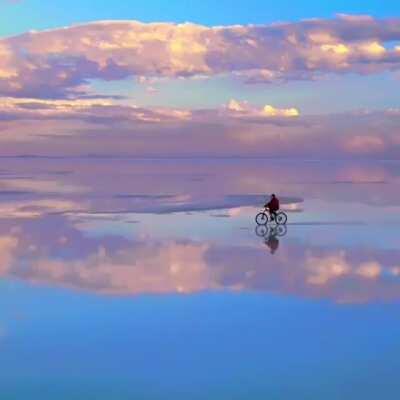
[281, 218]
[261, 218]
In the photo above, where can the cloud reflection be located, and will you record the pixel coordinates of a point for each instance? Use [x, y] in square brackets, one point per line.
[115, 265]
[153, 230]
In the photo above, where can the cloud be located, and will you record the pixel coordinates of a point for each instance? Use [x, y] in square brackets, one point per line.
[58, 63]
[365, 144]
[103, 111]
[65, 127]
[16, 209]
[92, 110]
[243, 108]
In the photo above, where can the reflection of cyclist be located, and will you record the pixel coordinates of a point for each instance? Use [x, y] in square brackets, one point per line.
[273, 206]
[272, 241]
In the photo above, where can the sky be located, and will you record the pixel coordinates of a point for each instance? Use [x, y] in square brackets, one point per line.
[182, 78]
[22, 15]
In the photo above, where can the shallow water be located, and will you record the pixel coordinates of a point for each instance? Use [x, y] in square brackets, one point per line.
[127, 278]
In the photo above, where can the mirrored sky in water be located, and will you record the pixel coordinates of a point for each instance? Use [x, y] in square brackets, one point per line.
[118, 273]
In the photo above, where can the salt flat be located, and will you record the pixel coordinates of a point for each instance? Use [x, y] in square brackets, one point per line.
[110, 278]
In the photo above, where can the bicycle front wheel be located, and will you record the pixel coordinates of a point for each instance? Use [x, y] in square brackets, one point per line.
[261, 218]
[281, 218]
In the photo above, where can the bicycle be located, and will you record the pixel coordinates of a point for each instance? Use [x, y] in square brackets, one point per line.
[264, 216]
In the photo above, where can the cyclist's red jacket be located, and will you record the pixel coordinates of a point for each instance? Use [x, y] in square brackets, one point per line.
[273, 205]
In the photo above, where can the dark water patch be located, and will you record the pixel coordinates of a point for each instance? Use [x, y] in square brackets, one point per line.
[16, 193]
[220, 215]
[327, 223]
[144, 196]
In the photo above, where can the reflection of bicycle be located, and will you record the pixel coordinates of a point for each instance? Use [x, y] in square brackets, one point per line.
[271, 235]
[264, 230]
[264, 216]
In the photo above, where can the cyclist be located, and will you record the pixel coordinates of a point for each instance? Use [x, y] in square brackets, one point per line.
[273, 206]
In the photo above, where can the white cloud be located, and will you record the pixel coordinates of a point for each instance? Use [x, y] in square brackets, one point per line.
[244, 108]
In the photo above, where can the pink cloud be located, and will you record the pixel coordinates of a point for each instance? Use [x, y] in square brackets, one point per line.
[99, 126]
[365, 144]
[56, 63]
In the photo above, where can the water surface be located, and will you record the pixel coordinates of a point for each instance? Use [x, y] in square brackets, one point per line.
[127, 278]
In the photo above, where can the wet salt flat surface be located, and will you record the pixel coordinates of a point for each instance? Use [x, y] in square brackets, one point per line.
[125, 278]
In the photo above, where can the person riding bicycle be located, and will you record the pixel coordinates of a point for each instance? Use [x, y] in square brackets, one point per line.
[273, 206]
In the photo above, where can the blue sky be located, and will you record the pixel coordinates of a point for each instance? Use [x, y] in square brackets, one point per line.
[40, 14]
[353, 91]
